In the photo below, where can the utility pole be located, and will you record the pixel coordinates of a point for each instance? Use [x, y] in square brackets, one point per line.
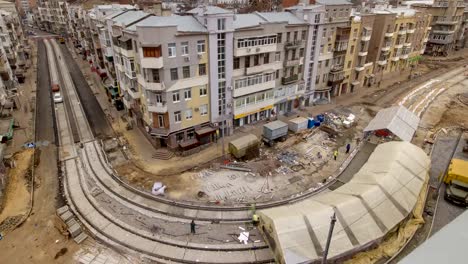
[330, 234]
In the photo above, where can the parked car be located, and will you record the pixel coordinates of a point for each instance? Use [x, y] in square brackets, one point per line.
[58, 98]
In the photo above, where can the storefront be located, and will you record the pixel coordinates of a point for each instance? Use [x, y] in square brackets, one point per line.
[252, 117]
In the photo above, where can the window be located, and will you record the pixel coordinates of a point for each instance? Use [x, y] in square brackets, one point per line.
[303, 35]
[295, 35]
[278, 56]
[301, 52]
[277, 74]
[171, 50]
[288, 35]
[349, 64]
[278, 37]
[325, 77]
[154, 52]
[201, 46]
[188, 114]
[317, 18]
[266, 58]
[159, 98]
[317, 79]
[203, 91]
[299, 69]
[352, 49]
[256, 60]
[202, 69]
[221, 23]
[236, 63]
[161, 120]
[203, 109]
[155, 74]
[174, 74]
[326, 63]
[188, 94]
[184, 48]
[247, 62]
[175, 97]
[186, 72]
[177, 117]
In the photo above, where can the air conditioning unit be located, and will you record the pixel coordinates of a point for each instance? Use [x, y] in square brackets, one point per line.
[258, 49]
[200, 56]
[196, 109]
[187, 59]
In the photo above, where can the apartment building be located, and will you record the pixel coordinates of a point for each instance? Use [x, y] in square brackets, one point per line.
[333, 49]
[398, 39]
[53, 16]
[447, 31]
[357, 63]
[268, 65]
[172, 62]
[314, 15]
[14, 44]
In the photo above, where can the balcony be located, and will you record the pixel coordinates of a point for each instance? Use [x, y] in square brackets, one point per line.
[382, 62]
[389, 34]
[362, 53]
[293, 44]
[441, 41]
[446, 23]
[402, 32]
[157, 107]
[399, 46]
[443, 32]
[385, 48]
[336, 68]
[254, 88]
[152, 62]
[238, 52]
[134, 93]
[359, 68]
[290, 79]
[131, 74]
[366, 38]
[404, 56]
[127, 53]
[341, 46]
[395, 58]
[148, 85]
[290, 63]
[264, 67]
[410, 31]
[407, 44]
[335, 77]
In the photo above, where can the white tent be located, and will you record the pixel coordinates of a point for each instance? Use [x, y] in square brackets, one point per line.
[397, 119]
[377, 199]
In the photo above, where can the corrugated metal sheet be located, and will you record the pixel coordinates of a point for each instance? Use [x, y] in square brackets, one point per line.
[399, 120]
[372, 203]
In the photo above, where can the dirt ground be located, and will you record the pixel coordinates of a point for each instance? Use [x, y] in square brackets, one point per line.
[16, 201]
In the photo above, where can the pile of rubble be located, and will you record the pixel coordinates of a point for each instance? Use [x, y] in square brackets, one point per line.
[339, 121]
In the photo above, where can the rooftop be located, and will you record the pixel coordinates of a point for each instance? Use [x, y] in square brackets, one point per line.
[183, 23]
[333, 2]
[129, 17]
[406, 11]
[209, 10]
[256, 18]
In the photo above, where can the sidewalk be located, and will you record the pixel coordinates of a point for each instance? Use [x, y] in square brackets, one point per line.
[142, 152]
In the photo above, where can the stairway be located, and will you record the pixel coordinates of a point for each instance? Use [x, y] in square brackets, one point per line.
[163, 154]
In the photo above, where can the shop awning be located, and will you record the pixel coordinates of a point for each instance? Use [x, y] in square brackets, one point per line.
[188, 143]
[205, 130]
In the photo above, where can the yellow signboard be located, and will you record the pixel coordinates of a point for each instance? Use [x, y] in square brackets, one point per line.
[253, 112]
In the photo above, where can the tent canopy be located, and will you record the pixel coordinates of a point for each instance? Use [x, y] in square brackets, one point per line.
[371, 204]
[397, 119]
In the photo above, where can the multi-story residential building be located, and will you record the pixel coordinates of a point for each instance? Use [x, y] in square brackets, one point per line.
[333, 49]
[446, 27]
[123, 55]
[268, 65]
[398, 39]
[172, 98]
[53, 16]
[13, 43]
[315, 16]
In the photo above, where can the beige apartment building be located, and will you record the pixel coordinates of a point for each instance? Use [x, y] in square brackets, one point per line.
[399, 38]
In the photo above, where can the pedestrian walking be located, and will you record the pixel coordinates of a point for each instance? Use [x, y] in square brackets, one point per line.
[192, 227]
[255, 219]
[335, 154]
[348, 147]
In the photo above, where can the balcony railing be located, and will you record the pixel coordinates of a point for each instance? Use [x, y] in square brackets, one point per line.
[336, 68]
[293, 44]
[157, 107]
[290, 79]
[336, 77]
[341, 46]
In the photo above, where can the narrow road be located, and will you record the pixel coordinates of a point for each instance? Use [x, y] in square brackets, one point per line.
[94, 113]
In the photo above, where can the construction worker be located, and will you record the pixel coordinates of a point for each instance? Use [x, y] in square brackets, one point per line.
[255, 219]
[335, 154]
[348, 147]
[192, 227]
